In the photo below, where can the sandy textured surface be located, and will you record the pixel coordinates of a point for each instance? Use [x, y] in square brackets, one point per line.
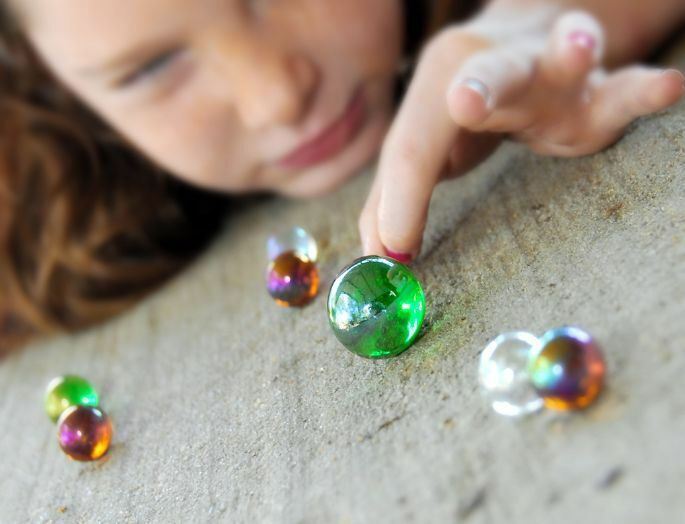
[228, 408]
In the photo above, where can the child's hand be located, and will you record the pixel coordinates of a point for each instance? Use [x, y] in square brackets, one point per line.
[544, 88]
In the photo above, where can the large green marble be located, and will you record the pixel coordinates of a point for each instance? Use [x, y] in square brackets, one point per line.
[376, 307]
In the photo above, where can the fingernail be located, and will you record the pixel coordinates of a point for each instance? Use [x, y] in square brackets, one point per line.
[582, 39]
[403, 258]
[672, 70]
[479, 87]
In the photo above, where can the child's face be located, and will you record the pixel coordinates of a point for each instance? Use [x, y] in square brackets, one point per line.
[225, 93]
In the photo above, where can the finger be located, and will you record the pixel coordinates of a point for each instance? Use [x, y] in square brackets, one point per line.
[487, 80]
[574, 48]
[368, 222]
[418, 145]
[633, 92]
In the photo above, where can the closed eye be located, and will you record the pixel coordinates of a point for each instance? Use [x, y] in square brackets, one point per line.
[150, 68]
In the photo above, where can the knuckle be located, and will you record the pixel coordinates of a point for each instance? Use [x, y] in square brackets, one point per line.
[406, 157]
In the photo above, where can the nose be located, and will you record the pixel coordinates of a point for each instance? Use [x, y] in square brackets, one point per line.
[267, 84]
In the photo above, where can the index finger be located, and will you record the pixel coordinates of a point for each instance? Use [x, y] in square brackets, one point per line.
[418, 145]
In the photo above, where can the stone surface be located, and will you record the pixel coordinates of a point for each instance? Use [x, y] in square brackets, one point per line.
[229, 409]
[376, 307]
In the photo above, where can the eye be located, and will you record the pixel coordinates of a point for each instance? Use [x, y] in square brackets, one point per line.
[150, 68]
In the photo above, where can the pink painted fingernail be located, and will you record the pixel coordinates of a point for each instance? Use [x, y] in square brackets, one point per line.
[403, 258]
[583, 39]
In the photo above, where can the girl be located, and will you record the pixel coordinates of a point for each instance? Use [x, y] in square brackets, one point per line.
[124, 123]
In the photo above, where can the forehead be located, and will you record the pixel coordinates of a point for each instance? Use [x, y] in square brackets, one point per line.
[82, 31]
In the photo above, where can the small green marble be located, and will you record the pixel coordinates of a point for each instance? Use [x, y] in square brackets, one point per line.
[376, 307]
[66, 391]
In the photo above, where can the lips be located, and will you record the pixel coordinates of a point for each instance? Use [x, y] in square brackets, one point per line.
[331, 140]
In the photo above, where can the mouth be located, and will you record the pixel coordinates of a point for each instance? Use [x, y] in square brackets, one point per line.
[331, 140]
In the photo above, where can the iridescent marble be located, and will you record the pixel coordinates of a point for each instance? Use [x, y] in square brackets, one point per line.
[376, 307]
[567, 369]
[66, 391]
[503, 374]
[292, 280]
[84, 433]
[295, 239]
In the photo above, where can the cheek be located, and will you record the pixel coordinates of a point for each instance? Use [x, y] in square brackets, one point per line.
[376, 35]
[359, 34]
[197, 141]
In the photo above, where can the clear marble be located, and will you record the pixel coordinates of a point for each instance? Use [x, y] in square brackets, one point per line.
[295, 239]
[503, 374]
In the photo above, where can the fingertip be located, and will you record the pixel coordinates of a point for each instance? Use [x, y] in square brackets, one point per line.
[668, 88]
[674, 80]
[369, 238]
[469, 101]
[372, 246]
[400, 246]
[581, 31]
[575, 47]
[579, 51]
[399, 239]
[574, 55]
[403, 258]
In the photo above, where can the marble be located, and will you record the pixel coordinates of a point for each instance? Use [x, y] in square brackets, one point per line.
[84, 433]
[376, 307]
[503, 374]
[294, 239]
[567, 369]
[66, 391]
[292, 280]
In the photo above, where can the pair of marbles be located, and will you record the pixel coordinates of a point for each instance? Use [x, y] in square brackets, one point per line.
[562, 370]
[84, 431]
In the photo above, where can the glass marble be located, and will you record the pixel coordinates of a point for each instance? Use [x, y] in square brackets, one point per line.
[84, 433]
[66, 391]
[376, 307]
[295, 239]
[567, 369]
[503, 374]
[292, 280]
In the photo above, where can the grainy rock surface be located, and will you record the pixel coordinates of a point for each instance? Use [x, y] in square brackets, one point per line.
[229, 408]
